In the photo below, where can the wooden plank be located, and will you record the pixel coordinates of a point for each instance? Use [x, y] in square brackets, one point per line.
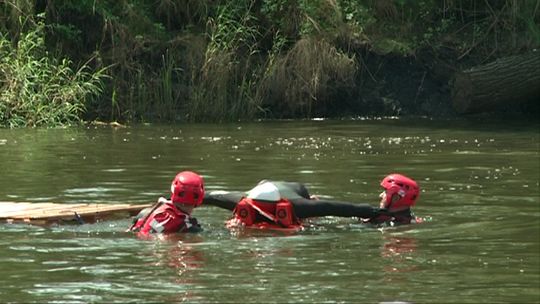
[13, 208]
[80, 210]
[43, 213]
[38, 209]
[71, 210]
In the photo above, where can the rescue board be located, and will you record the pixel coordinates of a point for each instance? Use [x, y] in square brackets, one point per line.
[49, 213]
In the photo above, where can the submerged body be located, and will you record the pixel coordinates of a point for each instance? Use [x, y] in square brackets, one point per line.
[283, 205]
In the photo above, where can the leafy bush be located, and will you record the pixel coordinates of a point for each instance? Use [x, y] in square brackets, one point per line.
[39, 90]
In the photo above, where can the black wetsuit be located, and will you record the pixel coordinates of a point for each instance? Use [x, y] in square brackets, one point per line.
[298, 195]
[402, 217]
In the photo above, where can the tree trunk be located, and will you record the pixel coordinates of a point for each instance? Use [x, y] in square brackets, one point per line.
[508, 81]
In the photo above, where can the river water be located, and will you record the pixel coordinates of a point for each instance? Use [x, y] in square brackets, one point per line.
[480, 198]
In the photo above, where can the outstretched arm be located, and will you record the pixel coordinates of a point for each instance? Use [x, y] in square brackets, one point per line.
[223, 199]
[305, 208]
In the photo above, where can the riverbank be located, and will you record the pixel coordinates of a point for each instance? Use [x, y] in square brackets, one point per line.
[216, 61]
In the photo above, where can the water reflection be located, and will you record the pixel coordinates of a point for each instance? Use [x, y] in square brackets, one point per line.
[399, 251]
[176, 251]
[243, 232]
[181, 254]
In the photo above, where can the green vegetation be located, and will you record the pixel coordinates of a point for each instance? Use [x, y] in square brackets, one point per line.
[39, 90]
[201, 60]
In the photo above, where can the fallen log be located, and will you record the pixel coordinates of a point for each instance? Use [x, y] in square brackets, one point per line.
[508, 81]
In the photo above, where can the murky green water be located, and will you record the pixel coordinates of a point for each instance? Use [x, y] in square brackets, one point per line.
[480, 190]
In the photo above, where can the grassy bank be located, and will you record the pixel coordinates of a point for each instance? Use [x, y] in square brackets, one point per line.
[186, 60]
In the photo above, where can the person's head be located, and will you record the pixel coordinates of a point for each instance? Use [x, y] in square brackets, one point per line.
[187, 190]
[400, 192]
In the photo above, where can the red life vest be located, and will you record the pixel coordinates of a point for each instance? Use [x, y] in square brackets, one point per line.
[252, 212]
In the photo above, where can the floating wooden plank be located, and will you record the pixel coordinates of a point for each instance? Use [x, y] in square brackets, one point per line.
[48, 213]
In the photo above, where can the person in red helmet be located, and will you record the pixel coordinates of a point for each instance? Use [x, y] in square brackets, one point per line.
[399, 195]
[174, 215]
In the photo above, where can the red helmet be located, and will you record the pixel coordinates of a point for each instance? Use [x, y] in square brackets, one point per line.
[406, 188]
[187, 188]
